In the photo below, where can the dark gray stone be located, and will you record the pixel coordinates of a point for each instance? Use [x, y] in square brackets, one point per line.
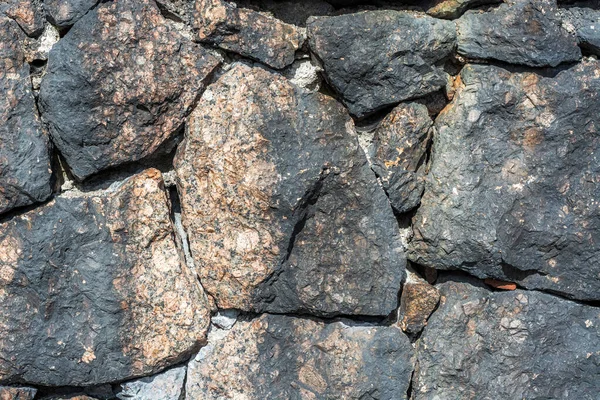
[64, 13]
[399, 154]
[508, 345]
[29, 14]
[526, 32]
[281, 357]
[119, 85]
[512, 192]
[24, 148]
[281, 207]
[290, 11]
[585, 22]
[375, 59]
[93, 289]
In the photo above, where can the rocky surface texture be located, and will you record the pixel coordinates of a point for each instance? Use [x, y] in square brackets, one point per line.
[279, 199]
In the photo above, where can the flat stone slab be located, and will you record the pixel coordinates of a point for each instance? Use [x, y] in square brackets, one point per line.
[513, 190]
[93, 289]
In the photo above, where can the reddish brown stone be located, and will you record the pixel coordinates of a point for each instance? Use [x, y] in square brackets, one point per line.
[418, 301]
[93, 289]
[247, 32]
[17, 393]
[119, 85]
[500, 284]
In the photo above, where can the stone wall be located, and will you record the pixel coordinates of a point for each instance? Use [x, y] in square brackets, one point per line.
[299, 199]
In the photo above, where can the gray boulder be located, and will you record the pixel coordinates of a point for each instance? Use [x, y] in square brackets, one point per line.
[64, 13]
[585, 22]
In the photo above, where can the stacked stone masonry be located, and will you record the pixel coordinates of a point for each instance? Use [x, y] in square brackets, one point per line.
[276, 199]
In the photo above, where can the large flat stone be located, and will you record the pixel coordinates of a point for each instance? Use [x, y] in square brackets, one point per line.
[280, 205]
[119, 84]
[24, 147]
[280, 357]
[512, 193]
[508, 345]
[93, 289]
[374, 59]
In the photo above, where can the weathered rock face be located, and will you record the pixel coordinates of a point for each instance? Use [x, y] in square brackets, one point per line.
[119, 84]
[29, 14]
[247, 32]
[17, 393]
[281, 208]
[168, 385]
[419, 300]
[378, 58]
[24, 148]
[508, 345]
[399, 154]
[280, 357]
[524, 32]
[290, 11]
[455, 8]
[64, 13]
[512, 193]
[93, 289]
[585, 22]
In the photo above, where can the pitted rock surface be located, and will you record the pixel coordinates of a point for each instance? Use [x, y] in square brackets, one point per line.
[282, 210]
[247, 32]
[508, 345]
[374, 59]
[586, 24]
[24, 148]
[119, 84]
[93, 289]
[527, 32]
[400, 154]
[281, 357]
[64, 13]
[512, 193]
[17, 393]
[29, 14]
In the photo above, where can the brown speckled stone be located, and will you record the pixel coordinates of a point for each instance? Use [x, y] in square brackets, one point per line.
[419, 299]
[119, 84]
[247, 32]
[282, 210]
[281, 357]
[17, 393]
[93, 289]
[29, 14]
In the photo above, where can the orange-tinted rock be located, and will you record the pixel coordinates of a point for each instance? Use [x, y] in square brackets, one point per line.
[498, 284]
[27, 13]
[247, 32]
[281, 357]
[17, 393]
[24, 147]
[418, 300]
[450, 9]
[282, 210]
[93, 289]
[119, 85]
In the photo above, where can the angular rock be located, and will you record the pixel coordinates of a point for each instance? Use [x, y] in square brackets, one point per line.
[282, 210]
[24, 148]
[99, 112]
[512, 189]
[93, 289]
[418, 301]
[400, 153]
[290, 11]
[246, 32]
[375, 59]
[168, 385]
[29, 14]
[450, 9]
[64, 13]
[585, 22]
[17, 393]
[508, 345]
[281, 357]
[526, 32]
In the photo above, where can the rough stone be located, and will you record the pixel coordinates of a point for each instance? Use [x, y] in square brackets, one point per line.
[375, 59]
[585, 23]
[512, 192]
[29, 14]
[400, 153]
[281, 357]
[17, 393]
[247, 32]
[119, 84]
[282, 210]
[64, 13]
[508, 345]
[450, 9]
[526, 32]
[290, 11]
[93, 289]
[168, 385]
[24, 148]
[418, 301]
